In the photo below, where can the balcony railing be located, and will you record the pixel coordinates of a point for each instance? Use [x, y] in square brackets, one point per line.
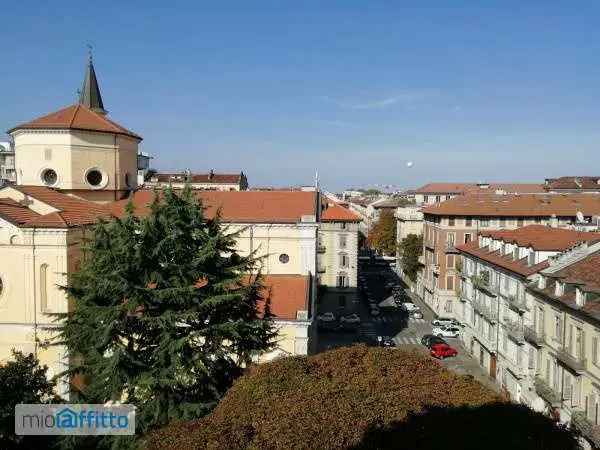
[576, 363]
[534, 337]
[489, 313]
[321, 248]
[588, 430]
[517, 304]
[483, 284]
[514, 330]
[547, 392]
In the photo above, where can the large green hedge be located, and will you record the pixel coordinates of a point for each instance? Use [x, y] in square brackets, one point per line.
[360, 397]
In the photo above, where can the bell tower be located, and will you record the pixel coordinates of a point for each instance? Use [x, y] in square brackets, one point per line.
[78, 149]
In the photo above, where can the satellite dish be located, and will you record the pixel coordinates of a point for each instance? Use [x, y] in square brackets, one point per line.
[580, 217]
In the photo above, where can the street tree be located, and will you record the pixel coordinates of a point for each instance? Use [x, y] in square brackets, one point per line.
[382, 236]
[410, 248]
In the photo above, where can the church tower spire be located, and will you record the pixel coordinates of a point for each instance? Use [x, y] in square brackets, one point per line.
[90, 91]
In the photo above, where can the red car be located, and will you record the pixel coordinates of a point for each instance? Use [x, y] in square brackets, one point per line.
[442, 351]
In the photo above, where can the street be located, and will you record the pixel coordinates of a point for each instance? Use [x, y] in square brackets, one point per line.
[393, 322]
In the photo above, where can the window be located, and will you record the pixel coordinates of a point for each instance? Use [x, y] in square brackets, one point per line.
[342, 301]
[343, 225]
[44, 287]
[557, 328]
[516, 253]
[128, 180]
[344, 260]
[468, 237]
[448, 306]
[343, 240]
[520, 222]
[484, 223]
[450, 239]
[469, 222]
[49, 177]
[450, 261]
[531, 258]
[501, 222]
[595, 350]
[48, 154]
[342, 280]
[94, 177]
[438, 198]
[450, 283]
[284, 258]
[451, 221]
[426, 199]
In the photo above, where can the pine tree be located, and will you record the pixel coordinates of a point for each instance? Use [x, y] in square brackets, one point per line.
[165, 314]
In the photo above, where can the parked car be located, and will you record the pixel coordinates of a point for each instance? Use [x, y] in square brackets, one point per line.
[410, 307]
[388, 342]
[445, 322]
[416, 314]
[429, 339]
[442, 351]
[375, 312]
[451, 331]
[351, 319]
[326, 317]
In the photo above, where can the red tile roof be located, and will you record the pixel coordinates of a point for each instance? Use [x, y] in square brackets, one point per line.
[14, 212]
[71, 212]
[585, 273]
[466, 188]
[505, 261]
[573, 183]
[76, 117]
[286, 294]
[542, 238]
[239, 206]
[217, 178]
[337, 213]
[532, 205]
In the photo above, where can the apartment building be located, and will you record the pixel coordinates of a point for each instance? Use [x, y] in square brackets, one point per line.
[565, 304]
[337, 260]
[210, 181]
[459, 220]
[498, 315]
[571, 185]
[433, 193]
[8, 173]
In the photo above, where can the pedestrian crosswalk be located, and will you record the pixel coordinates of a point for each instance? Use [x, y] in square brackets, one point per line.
[387, 319]
[406, 340]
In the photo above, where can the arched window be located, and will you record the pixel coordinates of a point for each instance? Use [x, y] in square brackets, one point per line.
[44, 287]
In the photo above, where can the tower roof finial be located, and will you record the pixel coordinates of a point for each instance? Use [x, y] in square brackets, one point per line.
[90, 92]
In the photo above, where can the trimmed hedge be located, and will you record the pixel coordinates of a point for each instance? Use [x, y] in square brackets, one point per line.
[356, 397]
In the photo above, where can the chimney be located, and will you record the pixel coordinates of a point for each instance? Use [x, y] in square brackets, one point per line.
[211, 175]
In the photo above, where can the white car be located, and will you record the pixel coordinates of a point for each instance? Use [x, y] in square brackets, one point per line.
[410, 307]
[327, 317]
[445, 322]
[446, 332]
[351, 319]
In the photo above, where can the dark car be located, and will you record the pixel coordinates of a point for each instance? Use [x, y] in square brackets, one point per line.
[429, 339]
[388, 342]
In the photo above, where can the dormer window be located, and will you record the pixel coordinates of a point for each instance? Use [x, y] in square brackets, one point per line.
[580, 297]
[559, 290]
[516, 253]
[531, 258]
[542, 282]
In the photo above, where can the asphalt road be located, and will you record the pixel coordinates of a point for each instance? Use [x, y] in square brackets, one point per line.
[393, 322]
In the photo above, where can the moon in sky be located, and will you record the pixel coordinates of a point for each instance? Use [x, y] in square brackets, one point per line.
[409, 164]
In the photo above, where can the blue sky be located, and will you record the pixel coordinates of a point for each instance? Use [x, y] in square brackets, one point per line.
[506, 91]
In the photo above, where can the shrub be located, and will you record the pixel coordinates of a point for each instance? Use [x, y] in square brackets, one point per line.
[347, 398]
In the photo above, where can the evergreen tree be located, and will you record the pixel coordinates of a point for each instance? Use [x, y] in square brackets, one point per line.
[165, 314]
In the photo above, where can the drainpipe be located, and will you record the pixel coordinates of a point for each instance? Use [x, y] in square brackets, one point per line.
[35, 324]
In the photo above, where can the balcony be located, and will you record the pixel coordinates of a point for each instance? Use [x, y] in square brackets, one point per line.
[514, 330]
[489, 313]
[321, 248]
[482, 283]
[587, 429]
[575, 363]
[321, 270]
[516, 304]
[548, 393]
[533, 337]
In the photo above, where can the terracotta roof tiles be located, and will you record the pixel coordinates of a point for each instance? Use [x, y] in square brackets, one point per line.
[337, 213]
[542, 238]
[14, 212]
[286, 294]
[76, 117]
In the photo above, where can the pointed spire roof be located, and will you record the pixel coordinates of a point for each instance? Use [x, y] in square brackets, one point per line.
[90, 91]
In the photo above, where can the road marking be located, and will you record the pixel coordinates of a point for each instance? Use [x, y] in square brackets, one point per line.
[418, 320]
[406, 340]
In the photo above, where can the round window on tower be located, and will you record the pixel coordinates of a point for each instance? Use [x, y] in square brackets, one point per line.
[96, 178]
[284, 258]
[49, 177]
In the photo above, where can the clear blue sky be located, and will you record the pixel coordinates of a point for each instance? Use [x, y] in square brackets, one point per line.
[509, 91]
